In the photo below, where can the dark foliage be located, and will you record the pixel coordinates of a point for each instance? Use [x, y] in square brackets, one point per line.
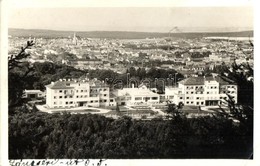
[39, 135]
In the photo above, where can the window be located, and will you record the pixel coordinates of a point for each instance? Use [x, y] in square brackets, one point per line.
[65, 97]
[91, 101]
[138, 98]
[105, 89]
[105, 100]
[198, 103]
[60, 97]
[81, 91]
[86, 90]
[77, 91]
[154, 98]
[54, 97]
[71, 102]
[67, 102]
[198, 98]
[187, 102]
[60, 91]
[202, 103]
[191, 92]
[191, 102]
[187, 92]
[105, 95]
[187, 97]
[111, 100]
[180, 97]
[54, 103]
[77, 96]
[207, 92]
[96, 101]
[70, 96]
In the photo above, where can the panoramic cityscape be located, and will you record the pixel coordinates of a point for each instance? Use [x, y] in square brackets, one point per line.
[175, 93]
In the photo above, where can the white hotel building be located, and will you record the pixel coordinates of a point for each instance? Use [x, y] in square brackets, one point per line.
[202, 91]
[136, 96]
[75, 93]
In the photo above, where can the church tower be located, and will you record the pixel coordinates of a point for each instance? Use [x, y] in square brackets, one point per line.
[75, 39]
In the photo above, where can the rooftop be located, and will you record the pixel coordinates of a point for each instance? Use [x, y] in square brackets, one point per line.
[200, 80]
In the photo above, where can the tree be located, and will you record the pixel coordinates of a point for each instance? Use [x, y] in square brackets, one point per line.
[18, 73]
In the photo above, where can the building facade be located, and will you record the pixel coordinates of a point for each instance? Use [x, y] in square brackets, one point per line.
[136, 96]
[202, 91]
[76, 93]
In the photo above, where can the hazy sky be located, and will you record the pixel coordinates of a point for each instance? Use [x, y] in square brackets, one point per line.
[134, 19]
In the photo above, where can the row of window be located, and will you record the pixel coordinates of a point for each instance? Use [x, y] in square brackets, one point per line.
[60, 97]
[212, 92]
[71, 91]
[201, 92]
[146, 98]
[96, 90]
[197, 103]
[81, 96]
[228, 92]
[212, 87]
[192, 87]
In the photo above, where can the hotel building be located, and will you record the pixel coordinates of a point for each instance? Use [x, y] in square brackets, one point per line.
[202, 91]
[75, 93]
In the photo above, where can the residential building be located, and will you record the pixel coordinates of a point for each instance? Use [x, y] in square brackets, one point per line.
[74, 93]
[202, 91]
[33, 94]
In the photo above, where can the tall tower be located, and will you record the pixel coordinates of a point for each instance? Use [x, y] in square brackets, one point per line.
[75, 39]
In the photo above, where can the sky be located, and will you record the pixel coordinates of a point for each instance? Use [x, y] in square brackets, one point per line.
[143, 19]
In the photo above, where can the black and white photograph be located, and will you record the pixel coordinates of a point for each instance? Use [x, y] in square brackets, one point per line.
[130, 82]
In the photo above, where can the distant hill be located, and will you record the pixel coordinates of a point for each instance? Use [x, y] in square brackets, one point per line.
[121, 34]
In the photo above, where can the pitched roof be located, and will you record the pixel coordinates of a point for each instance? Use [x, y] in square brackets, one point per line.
[59, 85]
[193, 81]
[200, 80]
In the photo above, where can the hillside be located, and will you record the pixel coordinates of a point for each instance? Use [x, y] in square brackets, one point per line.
[120, 34]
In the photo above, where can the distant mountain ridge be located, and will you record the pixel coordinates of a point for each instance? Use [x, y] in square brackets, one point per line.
[121, 34]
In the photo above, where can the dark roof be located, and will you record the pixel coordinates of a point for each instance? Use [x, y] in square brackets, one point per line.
[59, 85]
[200, 80]
[224, 80]
[193, 81]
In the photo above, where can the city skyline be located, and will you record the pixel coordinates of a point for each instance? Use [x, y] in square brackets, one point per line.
[208, 19]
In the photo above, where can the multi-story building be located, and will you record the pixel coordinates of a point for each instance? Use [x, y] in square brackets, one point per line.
[136, 96]
[74, 93]
[202, 91]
